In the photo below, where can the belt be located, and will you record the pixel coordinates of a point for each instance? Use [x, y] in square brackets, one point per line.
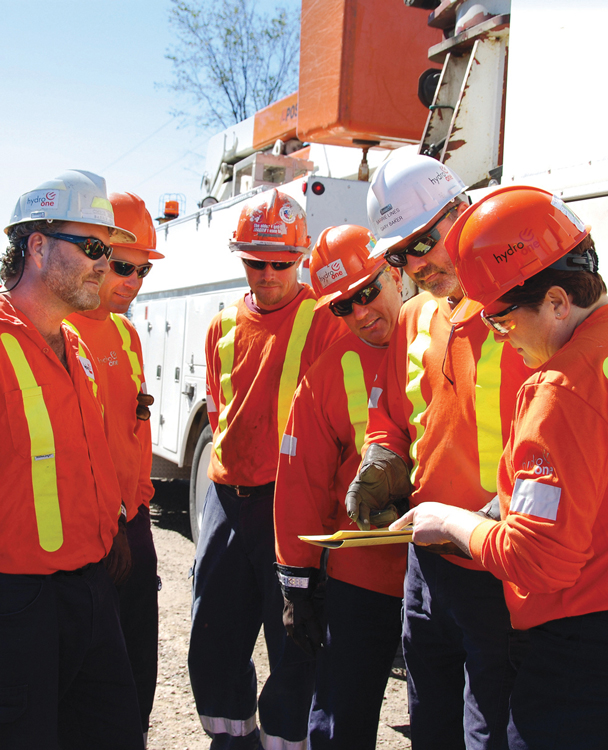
[77, 572]
[262, 489]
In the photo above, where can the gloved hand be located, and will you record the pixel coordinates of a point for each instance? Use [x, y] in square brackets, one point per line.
[383, 482]
[303, 606]
[490, 510]
[118, 559]
[144, 401]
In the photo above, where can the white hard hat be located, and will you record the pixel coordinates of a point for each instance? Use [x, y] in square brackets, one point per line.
[73, 196]
[406, 193]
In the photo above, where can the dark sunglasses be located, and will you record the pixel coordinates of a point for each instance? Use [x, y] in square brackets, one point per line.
[495, 325]
[122, 268]
[418, 247]
[260, 265]
[90, 246]
[364, 296]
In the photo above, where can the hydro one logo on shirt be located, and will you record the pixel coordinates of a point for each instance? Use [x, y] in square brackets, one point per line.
[333, 272]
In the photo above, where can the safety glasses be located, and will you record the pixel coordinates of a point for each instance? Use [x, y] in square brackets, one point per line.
[260, 265]
[418, 247]
[364, 296]
[90, 246]
[502, 327]
[122, 268]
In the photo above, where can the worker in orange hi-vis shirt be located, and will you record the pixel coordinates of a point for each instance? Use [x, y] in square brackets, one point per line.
[257, 350]
[447, 399]
[320, 454]
[116, 350]
[65, 679]
[529, 264]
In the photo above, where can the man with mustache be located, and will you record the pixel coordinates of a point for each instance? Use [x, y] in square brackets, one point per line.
[447, 396]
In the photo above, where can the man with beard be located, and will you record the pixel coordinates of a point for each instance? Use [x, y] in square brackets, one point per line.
[65, 679]
[447, 396]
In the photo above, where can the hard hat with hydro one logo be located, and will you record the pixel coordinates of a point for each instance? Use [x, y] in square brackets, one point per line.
[75, 196]
[508, 236]
[131, 213]
[341, 261]
[272, 226]
[406, 193]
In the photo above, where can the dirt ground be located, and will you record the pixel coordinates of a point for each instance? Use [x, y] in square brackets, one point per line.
[174, 722]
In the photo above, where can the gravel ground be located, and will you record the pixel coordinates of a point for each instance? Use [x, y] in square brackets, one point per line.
[174, 722]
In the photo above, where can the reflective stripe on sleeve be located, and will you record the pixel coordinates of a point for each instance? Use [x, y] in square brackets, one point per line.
[415, 371]
[42, 441]
[535, 499]
[225, 348]
[292, 363]
[356, 395]
[487, 411]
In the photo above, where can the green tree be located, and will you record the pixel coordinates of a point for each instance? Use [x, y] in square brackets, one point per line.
[232, 60]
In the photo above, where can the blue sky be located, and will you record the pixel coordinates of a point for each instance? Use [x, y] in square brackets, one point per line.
[78, 86]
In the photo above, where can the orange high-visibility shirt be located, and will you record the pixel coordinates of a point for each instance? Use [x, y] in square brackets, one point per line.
[254, 364]
[552, 546]
[447, 401]
[117, 355]
[319, 458]
[60, 497]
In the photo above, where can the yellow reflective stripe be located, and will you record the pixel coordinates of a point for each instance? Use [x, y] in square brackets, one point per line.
[82, 353]
[42, 440]
[125, 335]
[487, 411]
[415, 371]
[291, 365]
[356, 395]
[225, 348]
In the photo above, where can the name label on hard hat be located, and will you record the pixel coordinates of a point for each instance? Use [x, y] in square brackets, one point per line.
[333, 272]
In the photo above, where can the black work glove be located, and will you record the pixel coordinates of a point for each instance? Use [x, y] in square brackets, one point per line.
[144, 401]
[382, 484]
[303, 606]
[118, 559]
[490, 510]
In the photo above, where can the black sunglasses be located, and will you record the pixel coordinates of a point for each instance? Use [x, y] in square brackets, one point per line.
[260, 265]
[90, 246]
[494, 324]
[364, 296]
[122, 268]
[418, 247]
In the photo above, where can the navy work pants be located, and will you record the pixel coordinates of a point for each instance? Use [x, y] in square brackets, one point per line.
[235, 592]
[560, 696]
[65, 679]
[461, 655]
[362, 636]
[138, 597]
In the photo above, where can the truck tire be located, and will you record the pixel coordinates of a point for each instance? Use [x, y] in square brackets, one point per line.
[199, 481]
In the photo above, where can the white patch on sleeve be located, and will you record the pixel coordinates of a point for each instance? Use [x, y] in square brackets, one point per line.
[374, 397]
[535, 499]
[87, 367]
[211, 403]
[288, 445]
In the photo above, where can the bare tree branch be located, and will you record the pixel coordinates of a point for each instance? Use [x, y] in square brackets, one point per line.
[231, 60]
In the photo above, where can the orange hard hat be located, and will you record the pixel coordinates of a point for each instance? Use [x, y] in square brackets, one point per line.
[506, 237]
[341, 262]
[136, 218]
[272, 226]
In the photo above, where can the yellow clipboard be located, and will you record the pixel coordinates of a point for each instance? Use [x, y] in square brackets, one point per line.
[360, 538]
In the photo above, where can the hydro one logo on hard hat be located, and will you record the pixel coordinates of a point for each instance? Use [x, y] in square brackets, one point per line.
[333, 272]
[42, 199]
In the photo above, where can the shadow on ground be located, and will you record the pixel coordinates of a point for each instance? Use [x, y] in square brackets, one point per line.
[169, 507]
